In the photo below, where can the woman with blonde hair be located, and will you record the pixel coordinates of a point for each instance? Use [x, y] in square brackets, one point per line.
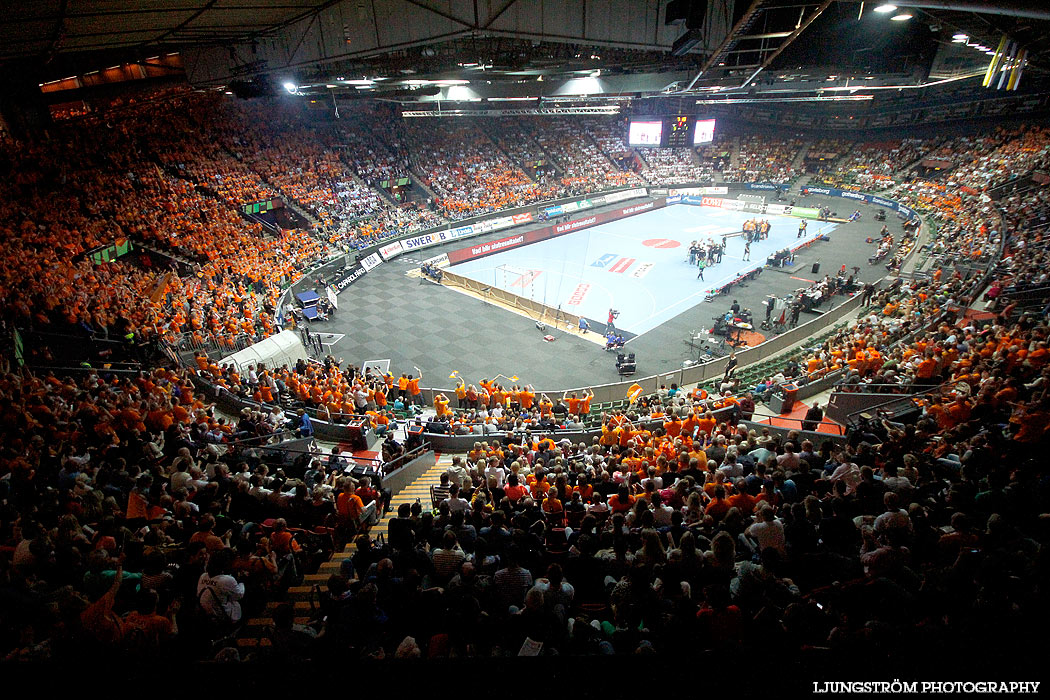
[694, 509]
[652, 551]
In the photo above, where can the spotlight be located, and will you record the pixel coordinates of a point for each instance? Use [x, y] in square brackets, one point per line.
[290, 86]
[960, 36]
[902, 17]
[886, 7]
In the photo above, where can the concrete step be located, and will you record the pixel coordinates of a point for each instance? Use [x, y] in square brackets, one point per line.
[261, 622]
[297, 605]
[300, 596]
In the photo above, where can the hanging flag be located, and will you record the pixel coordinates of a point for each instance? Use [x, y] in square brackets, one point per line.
[158, 292]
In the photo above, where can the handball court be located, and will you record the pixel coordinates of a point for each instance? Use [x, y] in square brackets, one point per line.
[413, 322]
[638, 265]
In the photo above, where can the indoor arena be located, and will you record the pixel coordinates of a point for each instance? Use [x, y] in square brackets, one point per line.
[398, 340]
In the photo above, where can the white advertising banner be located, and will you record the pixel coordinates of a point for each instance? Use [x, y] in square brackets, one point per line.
[371, 261]
[391, 250]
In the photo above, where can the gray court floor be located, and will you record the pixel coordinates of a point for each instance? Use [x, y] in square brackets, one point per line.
[414, 323]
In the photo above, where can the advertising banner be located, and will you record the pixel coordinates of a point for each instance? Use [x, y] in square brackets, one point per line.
[626, 194]
[371, 261]
[434, 238]
[391, 250]
[349, 277]
[490, 247]
[699, 190]
[756, 207]
[903, 210]
[437, 260]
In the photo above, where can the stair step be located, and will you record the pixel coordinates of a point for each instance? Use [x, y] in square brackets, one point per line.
[263, 621]
[254, 642]
[298, 605]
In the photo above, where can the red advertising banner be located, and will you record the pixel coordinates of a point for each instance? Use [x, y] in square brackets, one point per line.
[479, 250]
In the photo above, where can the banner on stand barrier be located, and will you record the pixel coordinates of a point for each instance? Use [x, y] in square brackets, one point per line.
[905, 211]
[391, 250]
[437, 260]
[371, 261]
[348, 277]
[482, 249]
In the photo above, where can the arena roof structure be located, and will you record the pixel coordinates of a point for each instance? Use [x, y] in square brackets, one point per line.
[500, 50]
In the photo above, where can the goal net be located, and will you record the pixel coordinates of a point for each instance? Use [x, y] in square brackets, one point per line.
[530, 284]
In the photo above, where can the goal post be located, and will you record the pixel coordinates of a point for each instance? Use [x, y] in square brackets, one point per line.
[530, 284]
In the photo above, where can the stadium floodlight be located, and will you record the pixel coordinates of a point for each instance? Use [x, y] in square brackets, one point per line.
[291, 87]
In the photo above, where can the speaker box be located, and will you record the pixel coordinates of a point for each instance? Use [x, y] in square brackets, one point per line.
[816, 268]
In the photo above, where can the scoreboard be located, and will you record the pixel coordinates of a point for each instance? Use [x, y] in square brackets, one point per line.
[680, 131]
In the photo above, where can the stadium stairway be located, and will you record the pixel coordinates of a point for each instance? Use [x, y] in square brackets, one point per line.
[164, 252]
[417, 181]
[293, 205]
[800, 157]
[255, 632]
[734, 153]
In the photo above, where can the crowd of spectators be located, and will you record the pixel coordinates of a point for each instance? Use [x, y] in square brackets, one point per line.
[765, 159]
[585, 166]
[876, 164]
[608, 133]
[464, 169]
[669, 166]
[133, 523]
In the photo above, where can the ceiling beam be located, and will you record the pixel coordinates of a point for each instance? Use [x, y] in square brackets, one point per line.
[164, 35]
[447, 15]
[56, 32]
[768, 35]
[787, 42]
[496, 15]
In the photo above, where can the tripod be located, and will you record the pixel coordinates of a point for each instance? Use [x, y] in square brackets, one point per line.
[558, 317]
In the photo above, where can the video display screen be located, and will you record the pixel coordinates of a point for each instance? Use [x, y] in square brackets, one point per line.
[705, 131]
[645, 133]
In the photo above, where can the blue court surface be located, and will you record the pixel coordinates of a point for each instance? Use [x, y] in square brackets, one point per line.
[638, 265]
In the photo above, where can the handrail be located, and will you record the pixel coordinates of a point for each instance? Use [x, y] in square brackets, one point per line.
[760, 421]
[897, 398]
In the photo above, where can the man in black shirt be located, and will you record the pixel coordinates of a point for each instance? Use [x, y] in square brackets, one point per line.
[399, 531]
[814, 416]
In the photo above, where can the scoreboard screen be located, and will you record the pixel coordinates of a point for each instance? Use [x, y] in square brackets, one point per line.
[681, 131]
[678, 130]
[645, 133]
[705, 131]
